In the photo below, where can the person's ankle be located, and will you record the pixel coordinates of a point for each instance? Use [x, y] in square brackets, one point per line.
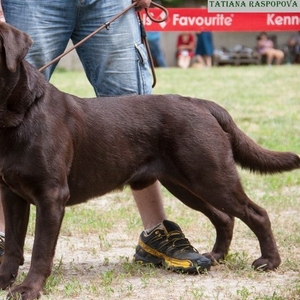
[151, 229]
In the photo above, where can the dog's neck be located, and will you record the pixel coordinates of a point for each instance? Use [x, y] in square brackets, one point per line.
[13, 104]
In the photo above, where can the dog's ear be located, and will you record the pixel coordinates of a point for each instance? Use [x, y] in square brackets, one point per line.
[15, 44]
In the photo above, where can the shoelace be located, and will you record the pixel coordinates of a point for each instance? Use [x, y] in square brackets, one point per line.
[178, 242]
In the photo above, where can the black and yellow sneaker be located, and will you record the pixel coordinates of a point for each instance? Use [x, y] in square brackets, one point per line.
[2, 242]
[167, 246]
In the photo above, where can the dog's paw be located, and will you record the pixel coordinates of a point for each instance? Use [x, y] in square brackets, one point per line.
[6, 281]
[216, 258]
[22, 292]
[266, 264]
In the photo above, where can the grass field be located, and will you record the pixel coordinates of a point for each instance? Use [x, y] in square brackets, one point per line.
[97, 241]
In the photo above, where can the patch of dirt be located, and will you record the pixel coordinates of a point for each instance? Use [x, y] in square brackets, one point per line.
[87, 267]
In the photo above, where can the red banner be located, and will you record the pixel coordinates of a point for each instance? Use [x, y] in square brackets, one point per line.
[199, 19]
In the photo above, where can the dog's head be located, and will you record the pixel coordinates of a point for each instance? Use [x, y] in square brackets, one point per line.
[19, 81]
[14, 45]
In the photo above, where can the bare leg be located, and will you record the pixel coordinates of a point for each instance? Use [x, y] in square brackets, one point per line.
[184, 61]
[269, 58]
[208, 61]
[279, 57]
[276, 54]
[200, 60]
[150, 205]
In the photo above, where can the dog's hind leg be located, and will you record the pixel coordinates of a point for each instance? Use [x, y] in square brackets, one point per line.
[16, 211]
[222, 222]
[230, 198]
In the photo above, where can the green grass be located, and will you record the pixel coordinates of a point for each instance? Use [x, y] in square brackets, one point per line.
[93, 259]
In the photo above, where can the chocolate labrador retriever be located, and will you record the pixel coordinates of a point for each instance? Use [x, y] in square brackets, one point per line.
[58, 150]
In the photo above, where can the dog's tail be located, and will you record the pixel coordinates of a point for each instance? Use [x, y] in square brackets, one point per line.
[247, 153]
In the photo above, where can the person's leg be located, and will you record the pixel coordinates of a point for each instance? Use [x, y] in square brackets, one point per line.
[184, 61]
[150, 205]
[180, 61]
[116, 63]
[279, 55]
[270, 56]
[115, 60]
[208, 61]
[199, 58]
[115, 66]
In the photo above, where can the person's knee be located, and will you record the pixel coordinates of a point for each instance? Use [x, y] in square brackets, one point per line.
[269, 54]
[280, 54]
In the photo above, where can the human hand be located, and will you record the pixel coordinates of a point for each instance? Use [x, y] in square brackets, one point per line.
[142, 4]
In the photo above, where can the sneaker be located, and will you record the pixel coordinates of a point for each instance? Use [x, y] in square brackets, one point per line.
[167, 246]
[2, 241]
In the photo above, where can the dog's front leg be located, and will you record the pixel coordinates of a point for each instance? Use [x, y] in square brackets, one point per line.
[16, 211]
[48, 222]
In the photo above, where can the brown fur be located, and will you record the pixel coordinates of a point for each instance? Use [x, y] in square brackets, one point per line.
[57, 150]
